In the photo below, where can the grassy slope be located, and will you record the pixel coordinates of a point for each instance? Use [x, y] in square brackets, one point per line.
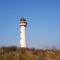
[14, 53]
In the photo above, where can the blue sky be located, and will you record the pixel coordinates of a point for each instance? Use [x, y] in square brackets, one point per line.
[43, 17]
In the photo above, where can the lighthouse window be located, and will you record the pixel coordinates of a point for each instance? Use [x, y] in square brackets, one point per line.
[20, 38]
[20, 44]
[20, 32]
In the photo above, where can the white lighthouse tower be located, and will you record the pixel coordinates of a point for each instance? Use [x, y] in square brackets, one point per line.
[23, 25]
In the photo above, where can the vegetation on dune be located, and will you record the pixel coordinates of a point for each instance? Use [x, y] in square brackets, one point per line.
[14, 53]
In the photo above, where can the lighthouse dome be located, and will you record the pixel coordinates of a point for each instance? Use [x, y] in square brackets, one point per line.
[23, 22]
[22, 19]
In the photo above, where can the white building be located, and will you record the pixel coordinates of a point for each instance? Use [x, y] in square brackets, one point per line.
[23, 25]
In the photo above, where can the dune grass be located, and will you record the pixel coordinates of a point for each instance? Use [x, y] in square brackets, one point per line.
[14, 53]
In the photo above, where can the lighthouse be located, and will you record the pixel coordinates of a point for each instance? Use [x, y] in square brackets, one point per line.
[23, 25]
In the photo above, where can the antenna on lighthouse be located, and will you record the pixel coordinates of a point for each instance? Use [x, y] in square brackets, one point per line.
[23, 25]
